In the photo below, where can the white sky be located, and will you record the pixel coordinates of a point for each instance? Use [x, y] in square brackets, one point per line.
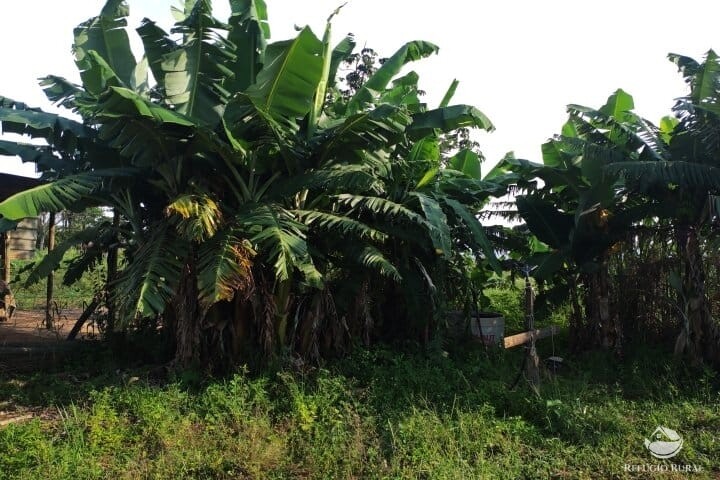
[519, 61]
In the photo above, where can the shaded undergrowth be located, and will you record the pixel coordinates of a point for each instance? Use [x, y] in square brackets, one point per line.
[376, 414]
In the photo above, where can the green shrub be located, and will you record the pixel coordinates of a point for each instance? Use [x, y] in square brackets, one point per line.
[377, 414]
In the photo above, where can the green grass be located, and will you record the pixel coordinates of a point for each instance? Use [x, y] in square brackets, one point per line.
[506, 295]
[65, 296]
[377, 414]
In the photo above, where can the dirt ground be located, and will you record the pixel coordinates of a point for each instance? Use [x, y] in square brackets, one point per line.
[27, 328]
[25, 346]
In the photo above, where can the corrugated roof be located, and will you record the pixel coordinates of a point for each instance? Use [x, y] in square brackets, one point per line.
[12, 184]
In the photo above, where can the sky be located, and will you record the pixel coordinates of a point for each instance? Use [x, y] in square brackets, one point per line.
[519, 61]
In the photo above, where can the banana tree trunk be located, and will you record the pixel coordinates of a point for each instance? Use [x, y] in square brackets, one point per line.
[188, 318]
[700, 335]
[603, 323]
[283, 300]
[264, 313]
[576, 315]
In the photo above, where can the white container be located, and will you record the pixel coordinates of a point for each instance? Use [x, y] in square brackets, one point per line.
[488, 327]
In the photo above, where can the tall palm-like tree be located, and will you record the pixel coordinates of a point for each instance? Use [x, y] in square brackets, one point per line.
[248, 186]
[685, 183]
[580, 210]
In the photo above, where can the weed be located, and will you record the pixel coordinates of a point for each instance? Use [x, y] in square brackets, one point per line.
[380, 413]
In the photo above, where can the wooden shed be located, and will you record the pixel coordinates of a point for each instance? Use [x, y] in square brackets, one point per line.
[23, 240]
[18, 243]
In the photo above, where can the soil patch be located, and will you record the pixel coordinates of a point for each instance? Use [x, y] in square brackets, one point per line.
[27, 328]
[27, 346]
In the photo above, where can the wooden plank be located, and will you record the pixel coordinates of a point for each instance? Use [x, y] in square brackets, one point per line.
[33, 230]
[19, 235]
[22, 240]
[23, 233]
[20, 418]
[22, 254]
[524, 337]
[21, 247]
[29, 223]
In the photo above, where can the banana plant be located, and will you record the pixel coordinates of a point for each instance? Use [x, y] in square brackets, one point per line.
[578, 207]
[684, 183]
[244, 195]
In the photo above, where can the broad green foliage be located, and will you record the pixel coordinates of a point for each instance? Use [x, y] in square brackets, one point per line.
[102, 49]
[610, 174]
[580, 209]
[379, 81]
[684, 184]
[285, 88]
[236, 179]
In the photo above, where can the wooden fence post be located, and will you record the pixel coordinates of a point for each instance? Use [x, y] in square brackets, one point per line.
[112, 268]
[532, 362]
[50, 278]
[5, 245]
